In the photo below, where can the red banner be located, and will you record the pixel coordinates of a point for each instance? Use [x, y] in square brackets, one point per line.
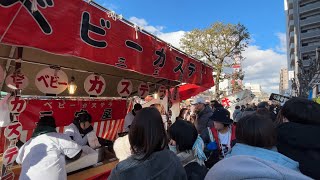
[64, 111]
[76, 28]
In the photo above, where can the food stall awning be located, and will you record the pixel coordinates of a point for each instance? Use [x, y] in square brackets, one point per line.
[78, 35]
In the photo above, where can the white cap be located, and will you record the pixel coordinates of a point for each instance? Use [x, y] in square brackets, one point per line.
[199, 100]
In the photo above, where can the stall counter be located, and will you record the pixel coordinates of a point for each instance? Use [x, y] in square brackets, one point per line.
[87, 174]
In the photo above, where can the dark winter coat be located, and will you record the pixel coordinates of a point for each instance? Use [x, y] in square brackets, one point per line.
[203, 121]
[160, 165]
[301, 143]
[194, 170]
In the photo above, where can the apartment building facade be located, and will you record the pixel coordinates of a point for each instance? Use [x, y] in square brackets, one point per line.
[303, 38]
[284, 81]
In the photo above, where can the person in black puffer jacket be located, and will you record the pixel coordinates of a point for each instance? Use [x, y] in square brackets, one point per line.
[298, 134]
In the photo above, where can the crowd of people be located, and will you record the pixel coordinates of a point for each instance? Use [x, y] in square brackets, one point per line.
[255, 142]
[204, 142]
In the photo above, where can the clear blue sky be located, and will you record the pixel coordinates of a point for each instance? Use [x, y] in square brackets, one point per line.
[263, 18]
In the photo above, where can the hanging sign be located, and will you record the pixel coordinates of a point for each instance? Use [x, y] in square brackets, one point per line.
[1, 74]
[237, 99]
[162, 92]
[13, 130]
[64, 110]
[94, 85]
[10, 155]
[17, 81]
[16, 105]
[125, 88]
[78, 29]
[226, 102]
[280, 98]
[143, 90]
[51, 81]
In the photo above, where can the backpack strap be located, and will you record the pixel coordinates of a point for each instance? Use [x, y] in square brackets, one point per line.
[210, 135]
[233, 135]
[233, 132]
[215, 135]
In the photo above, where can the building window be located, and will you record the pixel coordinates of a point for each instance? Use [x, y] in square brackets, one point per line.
[307, 3]
[311, 28]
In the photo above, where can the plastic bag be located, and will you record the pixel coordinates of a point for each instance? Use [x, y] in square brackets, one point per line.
[93, 140]
[4, 112]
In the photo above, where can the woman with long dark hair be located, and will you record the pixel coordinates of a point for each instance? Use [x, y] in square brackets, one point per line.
[150, 159]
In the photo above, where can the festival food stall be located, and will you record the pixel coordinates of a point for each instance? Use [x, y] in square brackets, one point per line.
[64, 56]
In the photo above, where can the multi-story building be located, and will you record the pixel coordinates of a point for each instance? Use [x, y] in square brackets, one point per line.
[255, 88]
[258, 92]
[284, 80]
[303, 37]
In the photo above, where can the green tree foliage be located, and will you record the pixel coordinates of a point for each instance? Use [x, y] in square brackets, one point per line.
[216, 46]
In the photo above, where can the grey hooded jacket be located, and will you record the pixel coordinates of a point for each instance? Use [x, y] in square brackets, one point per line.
[249, 167]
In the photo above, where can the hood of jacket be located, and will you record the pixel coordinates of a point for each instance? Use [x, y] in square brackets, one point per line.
[300, 135]
[159, 165]
[186, 157]
[265, 154]
[249, 167]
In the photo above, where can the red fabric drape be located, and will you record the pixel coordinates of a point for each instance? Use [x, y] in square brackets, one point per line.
[188, 90]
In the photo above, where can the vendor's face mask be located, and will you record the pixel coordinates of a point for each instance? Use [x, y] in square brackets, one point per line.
[84, 125]
[173, 148]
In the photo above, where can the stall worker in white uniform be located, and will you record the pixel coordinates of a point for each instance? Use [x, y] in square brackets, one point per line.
[43, 156]
[130, 116]
[80, 127]
[81, 131]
